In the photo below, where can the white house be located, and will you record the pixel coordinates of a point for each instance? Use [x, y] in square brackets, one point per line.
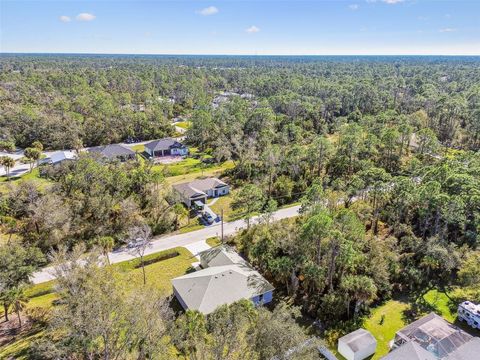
[357, 345]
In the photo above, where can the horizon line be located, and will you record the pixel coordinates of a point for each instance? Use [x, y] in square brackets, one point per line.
[233, 55]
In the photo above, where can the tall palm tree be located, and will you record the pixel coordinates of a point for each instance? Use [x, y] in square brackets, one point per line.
[19, 302]
[106, 243]
[8, 163]
[180, 213]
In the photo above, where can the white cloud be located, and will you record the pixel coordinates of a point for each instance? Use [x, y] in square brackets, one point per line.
[211, 10]
[65, 18]
[447, 30]
[353, 7]
[85, 17]
[252, 29]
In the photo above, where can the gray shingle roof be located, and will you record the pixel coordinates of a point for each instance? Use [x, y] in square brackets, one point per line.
[112, 150]
[163, 144]
[188, 191]
[220, 256]
[358, 340]
[200, 186]
[410, 351]
[207, 289]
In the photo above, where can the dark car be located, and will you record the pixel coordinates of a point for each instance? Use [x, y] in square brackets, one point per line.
[208, 218]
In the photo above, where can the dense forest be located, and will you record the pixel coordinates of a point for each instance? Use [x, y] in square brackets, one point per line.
[380, 152]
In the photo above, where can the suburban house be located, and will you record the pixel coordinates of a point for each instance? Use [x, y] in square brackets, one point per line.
[358, 345]
[164, 147]
[225, 278]
[60, 157]
[113, 151]
[197, 191]
[433, 335]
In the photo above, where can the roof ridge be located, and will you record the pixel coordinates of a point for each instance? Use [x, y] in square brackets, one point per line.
[206, 289]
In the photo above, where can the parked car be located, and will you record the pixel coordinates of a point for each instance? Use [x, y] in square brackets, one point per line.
[208, 218]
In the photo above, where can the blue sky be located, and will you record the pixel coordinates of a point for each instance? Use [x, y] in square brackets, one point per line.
[260, 27]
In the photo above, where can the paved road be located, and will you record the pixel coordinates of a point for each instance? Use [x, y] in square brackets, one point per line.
[179, 240]
[19, 169]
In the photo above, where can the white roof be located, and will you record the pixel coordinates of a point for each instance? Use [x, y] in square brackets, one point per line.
[59, 156]
[207, 289]
[358, 340]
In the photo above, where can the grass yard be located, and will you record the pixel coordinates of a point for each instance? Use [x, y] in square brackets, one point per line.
[160, 273]
[224, 203]
[385, 320]
[183, 124]
[138, 148]
[214, 241]
[191, 168]
[33, 176]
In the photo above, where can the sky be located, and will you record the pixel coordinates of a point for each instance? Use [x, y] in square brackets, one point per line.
[261, 27]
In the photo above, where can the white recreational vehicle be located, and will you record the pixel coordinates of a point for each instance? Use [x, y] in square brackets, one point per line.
[469, 312]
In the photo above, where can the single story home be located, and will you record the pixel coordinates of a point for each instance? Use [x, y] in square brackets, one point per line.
[231, 280]
[438, 337]
[164, 147]
[358, 345]
[198, 191]
[113, 151]
[60, 157]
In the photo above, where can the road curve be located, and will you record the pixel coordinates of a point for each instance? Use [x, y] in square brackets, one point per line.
[178, 240]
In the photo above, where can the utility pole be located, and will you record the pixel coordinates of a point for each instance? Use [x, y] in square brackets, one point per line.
[222, 223]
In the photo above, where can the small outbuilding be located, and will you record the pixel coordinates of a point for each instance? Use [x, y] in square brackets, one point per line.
[357, 345]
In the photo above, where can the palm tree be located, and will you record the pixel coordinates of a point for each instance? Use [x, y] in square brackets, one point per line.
[8, 163]
[180, 213]
[19, 302]
[106, 243]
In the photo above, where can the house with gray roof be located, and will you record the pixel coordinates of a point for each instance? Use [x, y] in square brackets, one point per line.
[357, 345]
[220, 256]
[113, 151]
[165, 147]
[199, 190]
[432, 333]
[207, 289]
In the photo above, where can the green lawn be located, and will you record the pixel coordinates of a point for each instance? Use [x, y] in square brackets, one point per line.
[138, 148]
[225, 203]
[183, 124]
[160, 273]
[191, 167]
[34, 176]
[385, 320]
[214, 241]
